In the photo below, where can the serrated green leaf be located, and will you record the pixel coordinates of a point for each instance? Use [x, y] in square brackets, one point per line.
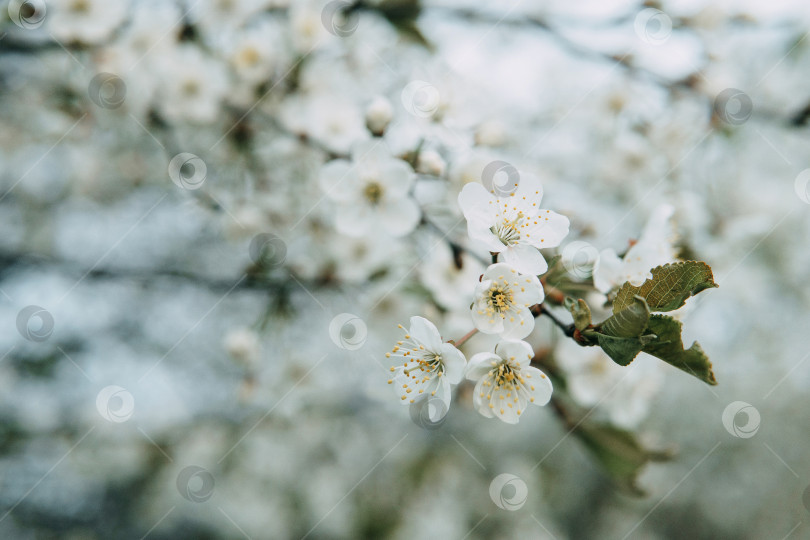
[621, 350]
[619, 453]
[579, 311]
[669, 287]
[668, 346]
[630, 321]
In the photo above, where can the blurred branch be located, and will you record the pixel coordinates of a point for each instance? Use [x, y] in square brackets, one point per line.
[688, 84]
[255, 280]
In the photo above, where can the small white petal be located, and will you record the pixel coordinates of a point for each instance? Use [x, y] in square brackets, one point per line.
[480, 402]
[607, 271]
[518, 325]
[485, 322]
[337, 179]
[396, 178]
[516, 351]
[474, 197]
[525, 259]
[480, 364]
[542, 385]
[355, 220]
[425, 332]
[454, 363]
[399, 217]
[501, 401]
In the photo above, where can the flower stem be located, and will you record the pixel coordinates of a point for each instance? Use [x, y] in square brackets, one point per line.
[541, 309]
[463, 339]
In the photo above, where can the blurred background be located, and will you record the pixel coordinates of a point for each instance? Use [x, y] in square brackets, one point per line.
[191, 350]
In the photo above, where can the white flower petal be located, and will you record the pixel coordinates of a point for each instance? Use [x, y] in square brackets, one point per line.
[516, 351]
[454, 363]
[370, 153]
[399, 217]
[547, 229]
[498, 270]
[537, 385]
[443, 393]
[480, 364]
[525, 259]
[474, 197]
[396, 178]
[480, 402]
[528, 290]
[503, 405]
[337, 179]
[528, 195]
[425, 332]
[355, 220]
[479, 230]
[607, 270]
[486, 323]
[518, 325]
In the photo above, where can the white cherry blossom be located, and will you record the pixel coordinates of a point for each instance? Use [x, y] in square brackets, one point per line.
[506, 383]
[429, 366]
[85, 21]
[503, 299]
[513, 224]
[371, 192]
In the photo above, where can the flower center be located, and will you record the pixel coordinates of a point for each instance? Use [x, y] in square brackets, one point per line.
[429, 363]
[250, 56]
[190, 88]
[508, 230]
[504, 375]
[373, 192]
[80, 6]
[500, 299]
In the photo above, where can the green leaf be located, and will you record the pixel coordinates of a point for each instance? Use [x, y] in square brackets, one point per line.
[580, 311]
[668, 346]
[619, 453]
[669, 286]
[630, 321]
[621, 350]
[620, 336]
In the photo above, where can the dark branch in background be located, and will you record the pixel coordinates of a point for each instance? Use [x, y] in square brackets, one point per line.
[541, 309]
[255, 280]
[687, 84]
[455, 246]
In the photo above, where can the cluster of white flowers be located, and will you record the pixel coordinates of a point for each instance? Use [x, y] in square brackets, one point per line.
[366, 156]
[505, 381]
